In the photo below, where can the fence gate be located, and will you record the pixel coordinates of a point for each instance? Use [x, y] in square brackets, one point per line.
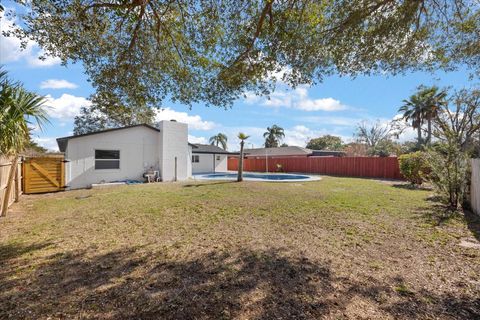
[43, 174]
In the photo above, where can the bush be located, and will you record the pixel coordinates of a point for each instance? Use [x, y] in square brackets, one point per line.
[414, 167]
[449, 172]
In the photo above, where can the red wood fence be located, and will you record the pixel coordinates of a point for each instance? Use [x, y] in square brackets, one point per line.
[369, 167]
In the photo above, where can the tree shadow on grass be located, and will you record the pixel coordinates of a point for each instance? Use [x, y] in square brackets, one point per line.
[206, 184]
[13, 250]
[257, 284]
[409, 186]
[473, 223]
[437, 214]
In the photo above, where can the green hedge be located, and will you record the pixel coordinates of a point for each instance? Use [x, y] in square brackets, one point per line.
[414, 167]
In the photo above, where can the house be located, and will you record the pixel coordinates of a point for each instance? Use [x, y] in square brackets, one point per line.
[290, 151]
[207, 158]
[127, 153]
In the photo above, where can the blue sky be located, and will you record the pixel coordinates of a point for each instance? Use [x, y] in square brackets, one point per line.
[334, 106]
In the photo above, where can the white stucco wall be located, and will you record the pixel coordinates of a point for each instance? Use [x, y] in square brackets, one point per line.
[208, 163]
[174, 145]
[221, 165]
[139, 149]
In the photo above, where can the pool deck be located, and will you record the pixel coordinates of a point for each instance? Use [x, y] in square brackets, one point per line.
[208, 176]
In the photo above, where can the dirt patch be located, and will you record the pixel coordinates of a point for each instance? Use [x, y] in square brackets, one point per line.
[334, 249]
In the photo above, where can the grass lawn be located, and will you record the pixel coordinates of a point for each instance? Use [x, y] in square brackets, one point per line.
[338, 248]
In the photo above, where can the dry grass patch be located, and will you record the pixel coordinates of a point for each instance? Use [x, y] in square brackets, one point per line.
[337, 248]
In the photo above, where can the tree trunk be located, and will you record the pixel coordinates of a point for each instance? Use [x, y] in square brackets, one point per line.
[8, 191]
[429, 133]
[240, 164]
[419, 135]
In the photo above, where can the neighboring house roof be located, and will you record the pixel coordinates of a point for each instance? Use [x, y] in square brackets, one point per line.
[327, 153]
[208, 148]
[280, 151]
[63, 141]
[290, 151]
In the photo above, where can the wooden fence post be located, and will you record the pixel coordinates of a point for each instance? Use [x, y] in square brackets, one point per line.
[6, 199]
[17, 184]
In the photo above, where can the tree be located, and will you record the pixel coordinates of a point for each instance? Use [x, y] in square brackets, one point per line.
[215, 51]
[376, 137]
[19, 108]
[90, 120]
[242, 137]
[219, 139]
[356, 149]
[326, 142]
[423, 107]
[456, 130]
[273, 136]
[461, 125]
[109, 111]
[433, 100]
[412, 110]
[32, 148]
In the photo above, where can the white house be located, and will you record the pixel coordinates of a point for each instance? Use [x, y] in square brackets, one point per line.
[128, 153]
[207, 158]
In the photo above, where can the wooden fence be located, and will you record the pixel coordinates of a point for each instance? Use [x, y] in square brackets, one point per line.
[43, 174]
[475, 187]
[5, 166]
[368, 167]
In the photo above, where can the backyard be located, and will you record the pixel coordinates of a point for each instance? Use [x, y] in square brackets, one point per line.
[338, 248]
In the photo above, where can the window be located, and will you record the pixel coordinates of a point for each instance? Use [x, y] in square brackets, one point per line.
[218, 158]
[107, 159]
[195, 158]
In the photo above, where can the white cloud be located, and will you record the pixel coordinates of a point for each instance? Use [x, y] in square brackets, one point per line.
[194, 139]
[11, 51]
[46, 142]
[194, 122]
[66, 107]
[296, 99]
[57, 84]
[300, 135]
[46, 61]
[326, 104]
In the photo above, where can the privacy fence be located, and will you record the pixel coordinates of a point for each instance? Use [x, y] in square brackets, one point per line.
[475, 187]
[368, 167]
[5, 169]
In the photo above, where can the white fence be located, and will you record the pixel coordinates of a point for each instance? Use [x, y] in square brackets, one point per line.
[5, 165]
[475, 188]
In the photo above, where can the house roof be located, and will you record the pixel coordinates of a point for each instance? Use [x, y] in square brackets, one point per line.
[280, 151]
[63, 141]
[208, 148]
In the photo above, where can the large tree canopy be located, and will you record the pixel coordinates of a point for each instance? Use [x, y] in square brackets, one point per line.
[213, 51]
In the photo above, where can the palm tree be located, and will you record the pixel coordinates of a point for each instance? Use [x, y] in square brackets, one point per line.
[19, 108]
[273, 136]
[219, 138]
[432, 101]
[423, 107]
[242, 137]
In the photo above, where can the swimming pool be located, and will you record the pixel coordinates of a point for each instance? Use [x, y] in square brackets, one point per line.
[276, 177]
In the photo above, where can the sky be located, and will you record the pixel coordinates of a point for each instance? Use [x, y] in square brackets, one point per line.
[334, 106]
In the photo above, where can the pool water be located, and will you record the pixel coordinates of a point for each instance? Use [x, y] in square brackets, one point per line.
[257, 177]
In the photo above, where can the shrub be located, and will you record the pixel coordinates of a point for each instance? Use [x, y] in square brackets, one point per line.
[449, 172]
[414, 167]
